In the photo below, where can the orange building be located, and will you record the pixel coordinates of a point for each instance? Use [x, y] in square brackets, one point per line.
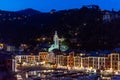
[71, 60]
[43, 56]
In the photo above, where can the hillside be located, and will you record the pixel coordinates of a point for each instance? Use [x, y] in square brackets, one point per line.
[83, 28]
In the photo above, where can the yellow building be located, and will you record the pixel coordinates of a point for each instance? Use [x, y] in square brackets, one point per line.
[85, 62]
[31, 59]
[77, 61]
[59, 59]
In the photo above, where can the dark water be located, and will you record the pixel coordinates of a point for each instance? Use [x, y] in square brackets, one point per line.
[61, 75]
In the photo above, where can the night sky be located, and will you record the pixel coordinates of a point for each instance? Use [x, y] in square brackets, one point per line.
[47, 5]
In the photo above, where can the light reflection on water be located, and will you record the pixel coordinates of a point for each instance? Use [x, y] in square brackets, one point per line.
[60, 74]
[65, 75]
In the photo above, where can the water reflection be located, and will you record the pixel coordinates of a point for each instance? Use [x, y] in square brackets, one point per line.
[67, 75]
[60, 74]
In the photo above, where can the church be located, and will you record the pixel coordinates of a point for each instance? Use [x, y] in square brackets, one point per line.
[56, 43]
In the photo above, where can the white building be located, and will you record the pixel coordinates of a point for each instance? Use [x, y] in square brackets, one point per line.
[56, 42]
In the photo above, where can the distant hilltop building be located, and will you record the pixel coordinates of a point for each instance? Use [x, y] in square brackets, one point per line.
[108, 16]
[56, 42]
[91, 6]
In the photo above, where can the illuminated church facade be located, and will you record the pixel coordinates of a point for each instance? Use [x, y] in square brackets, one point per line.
[56, 42]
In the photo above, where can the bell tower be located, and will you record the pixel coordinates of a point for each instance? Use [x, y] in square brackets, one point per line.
[56, 40]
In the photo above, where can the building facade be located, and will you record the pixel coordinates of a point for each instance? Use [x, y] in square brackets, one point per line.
[73, 60]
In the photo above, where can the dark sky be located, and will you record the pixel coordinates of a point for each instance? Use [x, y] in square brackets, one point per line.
[47, 5]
